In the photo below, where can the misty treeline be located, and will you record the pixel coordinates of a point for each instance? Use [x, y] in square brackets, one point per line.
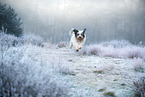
[10, 22]
[104, 19]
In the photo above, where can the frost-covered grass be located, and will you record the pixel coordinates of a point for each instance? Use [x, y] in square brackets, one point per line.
[138, 65]
[32, 39]
[139, 87]
[103, 69]
[29, 66]
[119, 49]
[62, 44]
[110, 94]
[31, 77]
[7, 41]
[23, 75]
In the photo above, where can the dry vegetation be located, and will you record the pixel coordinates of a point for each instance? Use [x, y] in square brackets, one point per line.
[115, 49]
[139, 87]
[29, 69]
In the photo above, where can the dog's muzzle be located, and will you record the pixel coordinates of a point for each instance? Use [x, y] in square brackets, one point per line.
[80, 37]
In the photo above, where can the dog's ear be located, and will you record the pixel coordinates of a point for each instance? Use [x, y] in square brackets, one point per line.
[84, 30]
[75, 30]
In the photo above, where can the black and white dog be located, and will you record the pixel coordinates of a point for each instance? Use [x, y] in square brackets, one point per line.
[78, 38]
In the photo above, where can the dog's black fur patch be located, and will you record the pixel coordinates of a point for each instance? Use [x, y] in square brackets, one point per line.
[76, 31]
[84, 31]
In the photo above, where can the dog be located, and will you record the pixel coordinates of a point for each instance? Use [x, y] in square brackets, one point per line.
[78, 38]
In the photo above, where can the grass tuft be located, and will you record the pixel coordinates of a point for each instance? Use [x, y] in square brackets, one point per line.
[123, 84]
[138, 65]
[62, 44]
[94, 51]
[99, 71]
[101, 90]
[139, 87]
[109, 94]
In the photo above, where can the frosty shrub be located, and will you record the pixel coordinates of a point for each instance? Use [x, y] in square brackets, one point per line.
[94, 50]
[47, 45]
[139, 88]
[62, 44]
[135, 52]
[63, 68]
[9, 89]
[138, 64]
[7, 41]
[33, 39]
[24, 76]
[114, 49]
[91, 50]
[83, 51]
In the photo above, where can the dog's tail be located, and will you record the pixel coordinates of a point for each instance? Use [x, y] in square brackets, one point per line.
[71, 31]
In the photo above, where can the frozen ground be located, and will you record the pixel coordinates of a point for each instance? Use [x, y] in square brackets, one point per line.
[93, 74]
[53, 72]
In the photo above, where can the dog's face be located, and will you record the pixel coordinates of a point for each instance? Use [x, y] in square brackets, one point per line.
[80, 35]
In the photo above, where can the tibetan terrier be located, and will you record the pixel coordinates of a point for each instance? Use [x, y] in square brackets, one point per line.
[78, 38]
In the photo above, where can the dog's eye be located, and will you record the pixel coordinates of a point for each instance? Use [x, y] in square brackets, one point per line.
[77, 34]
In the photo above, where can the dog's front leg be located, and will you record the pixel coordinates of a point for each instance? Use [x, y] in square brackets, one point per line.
[71, 45]
[77, 48]
[80, 47]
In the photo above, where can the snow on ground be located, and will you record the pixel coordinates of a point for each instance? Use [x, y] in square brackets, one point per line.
[55, 72]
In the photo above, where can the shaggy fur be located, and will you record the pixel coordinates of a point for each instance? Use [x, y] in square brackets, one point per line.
[78, 38]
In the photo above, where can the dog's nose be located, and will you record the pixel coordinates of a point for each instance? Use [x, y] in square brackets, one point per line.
[80, 37]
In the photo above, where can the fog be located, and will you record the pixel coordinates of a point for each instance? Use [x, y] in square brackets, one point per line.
[104, 19]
